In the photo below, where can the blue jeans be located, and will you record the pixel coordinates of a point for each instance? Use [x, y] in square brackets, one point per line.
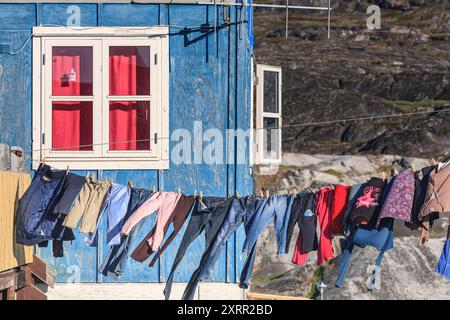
[278, 207]
[241, 211]
[115, 261]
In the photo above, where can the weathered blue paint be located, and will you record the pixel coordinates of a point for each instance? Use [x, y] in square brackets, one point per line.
[209, 81]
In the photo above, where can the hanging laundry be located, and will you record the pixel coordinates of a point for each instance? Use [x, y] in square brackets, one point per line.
[443, 266]
[353, 195]
[258, 205]
[307, 240]
[420, 186]
[164, 203]
[116, 206]
[323, 207]
[338, 208]
[88, 206]
[222, 209]
[437, 197]
[398, 203]
[208, 215]
[181, 213]
[33, 224]
[116, 259]
[368, 202]
[278, 209]
[241, 210]
[182, 208]
[115, 209]
[381, 238]
[293, 219]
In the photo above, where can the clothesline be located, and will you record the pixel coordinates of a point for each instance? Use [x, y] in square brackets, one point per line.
[57, 201]
[316, 123]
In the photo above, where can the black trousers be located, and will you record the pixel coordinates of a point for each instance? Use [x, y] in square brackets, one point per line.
[207, 215]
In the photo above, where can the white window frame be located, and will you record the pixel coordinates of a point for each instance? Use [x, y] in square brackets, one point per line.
[261, 114]
[100, 38]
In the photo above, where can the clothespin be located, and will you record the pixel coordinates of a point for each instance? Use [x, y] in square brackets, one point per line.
[201, 195]
[433, 161]
[195, 193]
[413, 168]
[153, 188]
[261, 194]
[229, 194]
[87, 176]
[43, 161]
[92, 177]
[267, 194]
[237, 195]
[67, 170]
[427, 163]
[179, 190]
[383, 175]
[130, 183]
[161, 188]
[368, 177]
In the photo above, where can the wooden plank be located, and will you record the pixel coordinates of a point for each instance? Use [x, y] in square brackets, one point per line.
[265, 296]
[23, 277]
[30, 292]
[39, 268]
[7, 279]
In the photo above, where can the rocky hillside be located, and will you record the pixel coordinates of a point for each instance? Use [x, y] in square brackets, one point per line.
[402, 68]
[407, 271]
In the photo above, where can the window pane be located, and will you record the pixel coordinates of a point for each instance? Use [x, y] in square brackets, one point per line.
[270, 91]
[271, 138]
[129, 125]
[72, 71]
[72, 126]
[129, 71]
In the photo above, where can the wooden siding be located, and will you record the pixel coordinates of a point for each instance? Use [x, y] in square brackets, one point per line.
[12, 187]
[209, 81]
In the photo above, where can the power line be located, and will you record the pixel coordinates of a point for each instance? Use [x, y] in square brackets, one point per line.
[316, 123]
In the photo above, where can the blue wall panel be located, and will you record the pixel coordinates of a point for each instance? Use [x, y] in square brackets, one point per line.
[57, 14]
[209, 82]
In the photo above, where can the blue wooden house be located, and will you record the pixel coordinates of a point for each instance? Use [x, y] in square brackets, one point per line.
[111, 88]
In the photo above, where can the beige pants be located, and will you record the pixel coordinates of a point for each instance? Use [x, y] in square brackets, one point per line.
[87, 206]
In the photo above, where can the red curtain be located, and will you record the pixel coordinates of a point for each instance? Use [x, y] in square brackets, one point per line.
[129, 120]
[129, 125]
[72, 126]
[72, 71]
[129, 71]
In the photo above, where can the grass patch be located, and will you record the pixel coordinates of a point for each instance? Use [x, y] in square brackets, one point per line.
[411, 106]
[266, 279]
[314, 292]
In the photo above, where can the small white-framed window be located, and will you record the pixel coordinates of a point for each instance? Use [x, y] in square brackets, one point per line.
[268, 115]
[100, 97]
